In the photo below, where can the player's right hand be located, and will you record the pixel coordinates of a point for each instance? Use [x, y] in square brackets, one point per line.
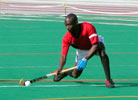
[58, 71]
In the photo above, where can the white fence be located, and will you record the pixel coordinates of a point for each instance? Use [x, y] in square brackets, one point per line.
[123, 3]
[104, 7]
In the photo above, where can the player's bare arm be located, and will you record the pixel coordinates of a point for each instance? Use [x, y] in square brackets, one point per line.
[92, 51]
[62, 63]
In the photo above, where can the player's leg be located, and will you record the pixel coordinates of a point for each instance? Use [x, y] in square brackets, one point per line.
[105, 60]
[79, 55]
[59, 77]
[106, 65]
[73, 73]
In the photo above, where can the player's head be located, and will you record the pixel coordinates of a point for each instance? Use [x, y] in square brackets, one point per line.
[71, 22]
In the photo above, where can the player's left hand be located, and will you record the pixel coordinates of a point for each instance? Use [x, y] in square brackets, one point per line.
[82, 64]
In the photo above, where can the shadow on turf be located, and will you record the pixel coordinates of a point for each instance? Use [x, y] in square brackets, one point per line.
[117, 85]
[126, 84]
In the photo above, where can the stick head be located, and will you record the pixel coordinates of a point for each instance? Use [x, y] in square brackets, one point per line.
[22, 82]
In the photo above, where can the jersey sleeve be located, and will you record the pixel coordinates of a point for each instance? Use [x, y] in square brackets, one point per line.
[65, 46]
[92, 34]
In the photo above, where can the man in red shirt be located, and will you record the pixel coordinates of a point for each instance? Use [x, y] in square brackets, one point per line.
[84, 38]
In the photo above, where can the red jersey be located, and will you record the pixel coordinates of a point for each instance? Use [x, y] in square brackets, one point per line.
[87, 38]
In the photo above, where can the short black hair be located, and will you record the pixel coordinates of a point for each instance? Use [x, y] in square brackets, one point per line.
[73, 16]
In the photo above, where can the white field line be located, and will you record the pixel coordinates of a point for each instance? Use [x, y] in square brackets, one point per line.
[63, 21]
[108, 23]
[130, 19]
[30, 44]
[53, 86]
[5, 86]
[66, 85]
[121, 43]
[20, 67]
[28, 19]
[60, 44]
[56, 66]
[117, 19]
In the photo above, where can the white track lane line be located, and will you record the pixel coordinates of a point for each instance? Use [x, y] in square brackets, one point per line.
[5, 86]
[91, 85]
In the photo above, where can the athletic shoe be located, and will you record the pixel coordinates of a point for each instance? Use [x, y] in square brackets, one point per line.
[109, 84]
[59, 77]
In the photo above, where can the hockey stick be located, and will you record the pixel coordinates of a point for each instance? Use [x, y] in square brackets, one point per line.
[22, 82]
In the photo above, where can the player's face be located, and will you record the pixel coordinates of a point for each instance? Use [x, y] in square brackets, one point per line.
[70, 25]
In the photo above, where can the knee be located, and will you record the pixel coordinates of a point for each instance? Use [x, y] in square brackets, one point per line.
[75, 76]
[76, 73]
[103, 54]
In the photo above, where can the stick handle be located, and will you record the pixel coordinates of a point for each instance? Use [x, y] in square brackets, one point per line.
[51, 74]
[64, 70]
